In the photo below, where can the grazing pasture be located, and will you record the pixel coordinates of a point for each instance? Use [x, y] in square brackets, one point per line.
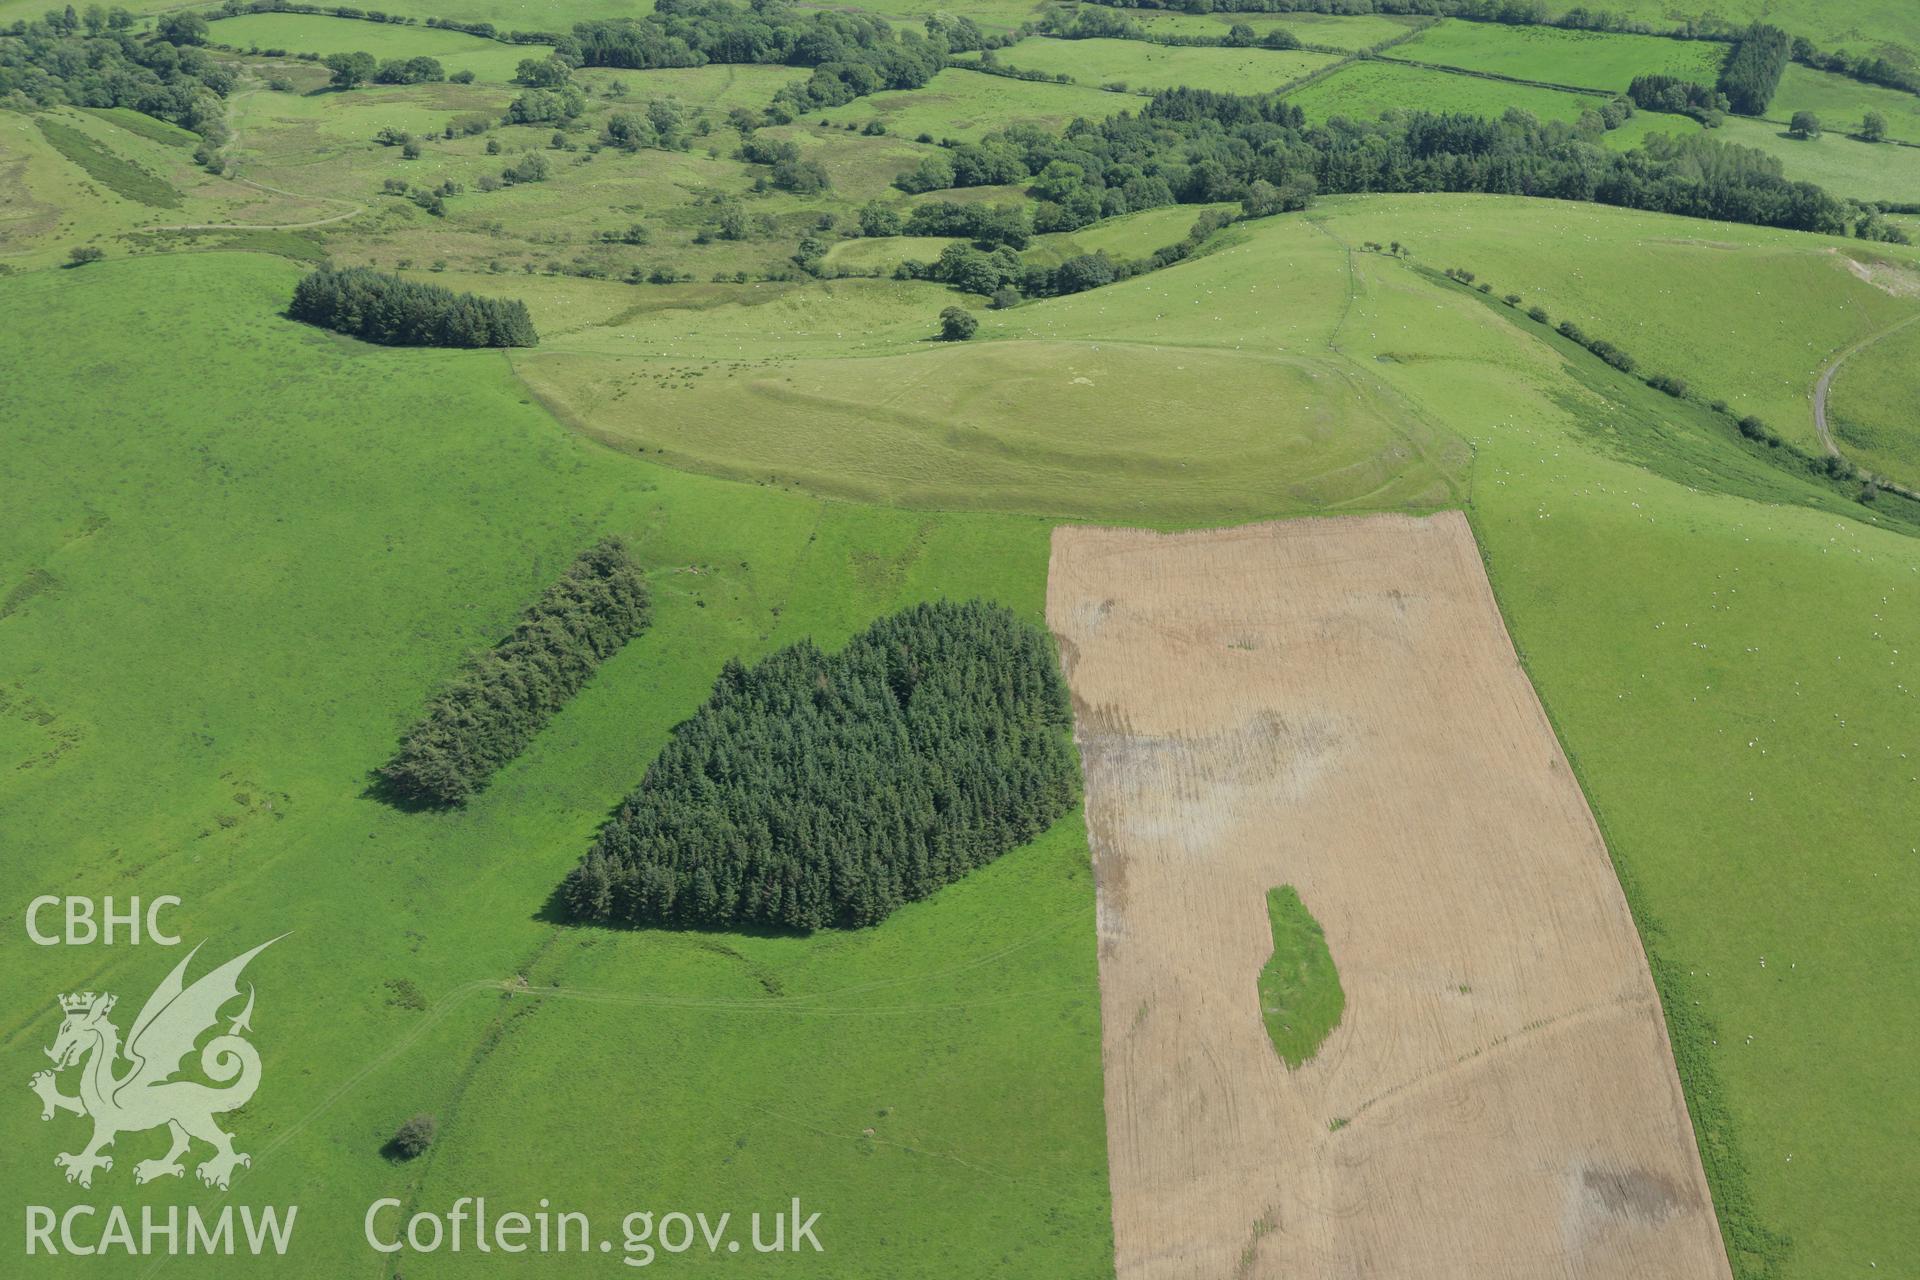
[1335, 705]
[1133, 235]
[1366, 89]
[1348, 31]
[1587, 59]
[1841, 164]
[1141, 66]
[991, 15]
[257, 547]
[1873, 406]
[1835, 159]
[1661, 288]
[1086, 429]
[1861, 26]
[316, 33]
[1842, 103]
[967, 105]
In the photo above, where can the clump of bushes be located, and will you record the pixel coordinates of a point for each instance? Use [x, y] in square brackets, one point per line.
[957, 324]
[378, 306]
[412, 1138]
[1680, 96]
[490, 711]
[815, 790]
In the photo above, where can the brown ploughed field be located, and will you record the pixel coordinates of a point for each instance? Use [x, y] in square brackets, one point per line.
[1334, 704]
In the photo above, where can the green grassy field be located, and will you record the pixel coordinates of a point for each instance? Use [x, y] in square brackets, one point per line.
[1130, 236]
[1138, 65]
[244, 600]
[1663, 289]
[991, 15]
[1588, 59]
[1330, 30]
[1365, 89]
[1076, 407]
[508, 15]
[1841, 103]
[1873, 406]
[1844, 166]
[1133, 235]
[1835, 159]
[967, 105]
[313, 33]
[1861, 26]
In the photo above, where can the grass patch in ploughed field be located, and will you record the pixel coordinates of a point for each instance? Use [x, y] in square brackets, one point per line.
[1300, 995]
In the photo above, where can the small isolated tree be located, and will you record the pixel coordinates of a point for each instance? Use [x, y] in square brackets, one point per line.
[1805, 124]
[412, 1138]
[1873, 127]
[350, 70]
[957, 324]
[80, 255]
[1005, 296]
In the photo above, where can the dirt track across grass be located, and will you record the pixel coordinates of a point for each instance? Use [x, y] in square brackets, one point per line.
[1334, 704]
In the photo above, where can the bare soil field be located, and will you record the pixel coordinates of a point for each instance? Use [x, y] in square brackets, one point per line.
[1334, 704]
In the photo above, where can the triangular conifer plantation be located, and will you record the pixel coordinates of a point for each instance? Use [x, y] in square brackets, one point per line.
[817, 790]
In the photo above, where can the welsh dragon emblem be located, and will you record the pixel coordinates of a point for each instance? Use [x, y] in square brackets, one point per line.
[145, 1095]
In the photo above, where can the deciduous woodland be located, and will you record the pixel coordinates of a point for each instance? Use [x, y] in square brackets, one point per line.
[852, 54]
[1200, 146]
[820, 790]
[488, 713]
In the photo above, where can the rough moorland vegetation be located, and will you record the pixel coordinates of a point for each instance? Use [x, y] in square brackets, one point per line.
[487, 714]
[381, 307]
[816, 790]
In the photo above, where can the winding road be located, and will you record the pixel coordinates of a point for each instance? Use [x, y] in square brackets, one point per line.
[1820, 401]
